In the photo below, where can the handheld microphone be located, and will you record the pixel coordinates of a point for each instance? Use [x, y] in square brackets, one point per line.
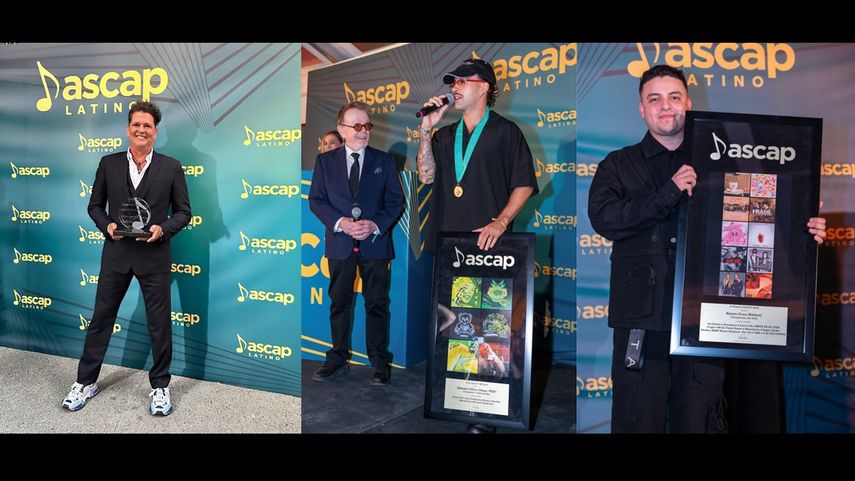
[356, 213]
[446, 99]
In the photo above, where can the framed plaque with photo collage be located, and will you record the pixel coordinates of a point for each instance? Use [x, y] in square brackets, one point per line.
[746, 264]
[479, 360]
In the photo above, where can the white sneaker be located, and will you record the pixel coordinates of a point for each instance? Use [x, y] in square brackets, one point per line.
[161, 402]
[78, 395]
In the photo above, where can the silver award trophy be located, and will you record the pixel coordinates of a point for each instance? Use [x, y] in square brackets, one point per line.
[134, 216]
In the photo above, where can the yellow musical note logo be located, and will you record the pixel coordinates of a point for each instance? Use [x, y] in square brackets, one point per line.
[241, 344]
[244, 241]
[82, 233]
[349, 94]
[43, 105]
[540, 118]
[247, 187]
[538, 218]
[17, 297]
[15, 213]
[817, 367]
[540, 168]
[17, 258]
[716, 142]
[14, 170]
[409, 134]
[83, 278]
[83, 322]
[249, 135]
[82, 142]
[637, 67]
[243, 293]
[536, 270]
[83, 189]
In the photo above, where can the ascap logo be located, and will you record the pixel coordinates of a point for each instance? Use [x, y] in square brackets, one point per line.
[286, 190]
[837, 367]
[597, 311]
[29, 216]
[84, 324]
[195, 221]
[382, 98]
[191, 269]
[100, 144]
[836, 298]
[482, 260]
[554, 221]
[87, 279]
[283, 298]
[271, 138]
[416, 135]
[748, 151]
[28, 171]
[193, 170]
[547, 270]
[594, 387]
[31, 257]
[85, 189]
[91, 86]
[768, 60]
[31, 302]
[838, 169]
[90, 236]
[562, 326]
[260, 245]
[594, 244]
[839, 237]
[557, 118]
[536, 66]
[184, 319]
[553, 167]
[262, 350]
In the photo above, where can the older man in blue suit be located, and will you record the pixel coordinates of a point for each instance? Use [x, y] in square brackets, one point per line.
[356, 192]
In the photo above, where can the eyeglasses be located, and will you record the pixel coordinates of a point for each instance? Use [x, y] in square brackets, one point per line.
[461, 82]
[358, 127]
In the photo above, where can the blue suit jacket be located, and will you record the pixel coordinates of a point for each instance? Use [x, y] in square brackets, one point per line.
[379, 196]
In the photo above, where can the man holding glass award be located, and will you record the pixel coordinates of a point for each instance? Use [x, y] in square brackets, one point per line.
[132, 196]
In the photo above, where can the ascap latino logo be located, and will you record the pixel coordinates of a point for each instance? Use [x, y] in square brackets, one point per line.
[87, 279]
[594, 387]
[416, 135]
[533, 68]
[28, 171]
[482, 260]
[264, 190]
[185, 319]
[85, 189]
[553, 221]
[84, 324]
[555, 271]
[748, 151]
[261, 245]
[597, 311]
[195, 221]
[193, 170]
[283, 298]
[83, 92]
[32, 257]
[839, 236]
[191, 270]
[382, 98]
[836, 367]
[594, 244]
[556, 118]
[561, 326]
[839, 169]
[29, 216]
[552, 167]
[271, 138]
[751, 64]
[260, 350]
[90, 236]
[98, 144]
[31, 302]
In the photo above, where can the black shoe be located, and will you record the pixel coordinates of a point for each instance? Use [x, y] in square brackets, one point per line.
[480, 429]
[380, 375]
[328, 373]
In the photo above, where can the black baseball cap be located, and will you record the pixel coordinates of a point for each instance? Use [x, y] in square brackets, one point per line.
[471, 66]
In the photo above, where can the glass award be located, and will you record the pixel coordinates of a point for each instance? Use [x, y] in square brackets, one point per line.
[134, 216]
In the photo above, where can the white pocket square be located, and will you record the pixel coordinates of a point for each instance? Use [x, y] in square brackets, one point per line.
[378, 170]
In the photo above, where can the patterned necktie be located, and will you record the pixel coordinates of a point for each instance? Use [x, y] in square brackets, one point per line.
[354, 173]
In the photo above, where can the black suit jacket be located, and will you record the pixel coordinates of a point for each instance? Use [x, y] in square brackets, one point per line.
[163, 187]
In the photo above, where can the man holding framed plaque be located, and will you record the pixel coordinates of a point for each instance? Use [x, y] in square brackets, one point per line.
[137, 188]
[634, 200]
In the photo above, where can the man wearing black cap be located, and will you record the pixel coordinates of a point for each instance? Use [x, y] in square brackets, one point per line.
[481, 166]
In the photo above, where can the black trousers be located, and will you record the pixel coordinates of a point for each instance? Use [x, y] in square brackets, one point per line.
[376, 278]
[112, 287]
[679, 394]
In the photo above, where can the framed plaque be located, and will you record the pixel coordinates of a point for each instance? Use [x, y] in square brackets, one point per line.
[479, 359]
[745, 284]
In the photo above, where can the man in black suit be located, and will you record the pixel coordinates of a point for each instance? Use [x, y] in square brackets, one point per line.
[159, 180]
[351, 176]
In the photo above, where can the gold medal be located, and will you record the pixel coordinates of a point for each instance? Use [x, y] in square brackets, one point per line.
[458, 191]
